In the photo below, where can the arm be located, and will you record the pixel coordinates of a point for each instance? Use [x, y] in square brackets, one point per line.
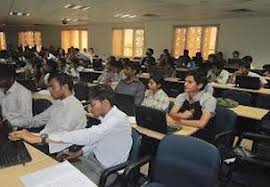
[140, 94]
[201, 123]
[178, 116]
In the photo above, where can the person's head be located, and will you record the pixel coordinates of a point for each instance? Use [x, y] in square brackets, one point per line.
[216, 68]
[101, 100]
[166, 51]
[194, 82]
[51, 66]
[186, 52]
[155, 82]
[60, 85]
[244, 68]
[219, 55]
[211, 58]
[131, 69]
[198, 55]
[247, 59]
[149, 52]
[76, 50]
[235, 54]
[84, 50]
[7, 75]
[91, 50]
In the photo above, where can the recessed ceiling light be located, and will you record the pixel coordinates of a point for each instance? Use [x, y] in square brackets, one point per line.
[125, 16]
[28, 14]
[77, 7]
[132, 16]
[118, 15]
[11, 13]
[68, 6]
[86, 8]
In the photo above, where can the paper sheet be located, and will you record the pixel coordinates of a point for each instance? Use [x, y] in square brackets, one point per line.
[61, 175]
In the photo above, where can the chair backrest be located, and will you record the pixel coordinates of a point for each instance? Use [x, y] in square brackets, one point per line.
[40, 105]
[136, 144]
[125, 103]
[173, 89]
[81, 91]
[263, 101]
[188, 161]
[242, 98]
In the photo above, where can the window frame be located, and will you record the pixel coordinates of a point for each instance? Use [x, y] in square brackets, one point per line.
[123, 40]
[196, 25]
[5, 41]
[70, 29]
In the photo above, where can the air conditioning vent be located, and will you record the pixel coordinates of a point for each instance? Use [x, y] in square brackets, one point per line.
[242, 10]
[150, 15]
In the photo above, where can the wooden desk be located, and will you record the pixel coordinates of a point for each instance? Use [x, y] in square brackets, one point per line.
[250, 112]
[10, 176]
[245, 111]
[230, 87]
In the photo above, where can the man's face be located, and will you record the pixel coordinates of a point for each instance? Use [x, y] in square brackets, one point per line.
[96, 108]
[244, 71]
[5, 83]
[191, 85]
[129, 72]
[56, 90]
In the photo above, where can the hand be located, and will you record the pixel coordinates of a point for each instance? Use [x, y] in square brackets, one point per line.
[24, 135]
[67, 155]
[188, 114]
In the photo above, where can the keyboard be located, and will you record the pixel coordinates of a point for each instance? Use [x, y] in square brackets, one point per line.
[11, 152]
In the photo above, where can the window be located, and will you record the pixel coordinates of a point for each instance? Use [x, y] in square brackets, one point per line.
[3, 44]
[75, 38]
[195, 39]
[128, 42]
[30, 38]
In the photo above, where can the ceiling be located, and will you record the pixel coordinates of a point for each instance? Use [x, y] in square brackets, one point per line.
[103, 11]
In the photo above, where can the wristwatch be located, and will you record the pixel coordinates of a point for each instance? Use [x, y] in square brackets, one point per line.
[43, 138]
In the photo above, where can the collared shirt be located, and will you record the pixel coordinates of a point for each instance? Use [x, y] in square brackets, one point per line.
[110, 141]
[222, 78]
[135, 88]
[16, 105]
[207, 101]
[159, 100]
[64, 115]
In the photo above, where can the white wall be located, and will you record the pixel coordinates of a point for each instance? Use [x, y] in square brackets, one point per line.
[249, 36]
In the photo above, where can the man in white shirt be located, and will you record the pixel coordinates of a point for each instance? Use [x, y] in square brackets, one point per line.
[15, 100]
[106, 145]
[217, 74]
[244, 70]
[66, 114]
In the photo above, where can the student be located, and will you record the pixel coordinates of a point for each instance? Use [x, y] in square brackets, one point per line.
[185, 58]
[218, 74]
[15, 100]
[111, 74]
[244, 70]
[155, 97]
[131, 85]
[194, 107]
[149, 60]
[66, 114]
[106, 145]
[248, 59]
[166, 66]
[236, 55]
[220, 58]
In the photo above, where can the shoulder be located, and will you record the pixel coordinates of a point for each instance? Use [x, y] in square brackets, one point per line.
[207, 98]
[181, 97]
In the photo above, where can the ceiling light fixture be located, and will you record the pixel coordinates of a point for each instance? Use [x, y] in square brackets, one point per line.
[77, 7]
[12, 13]
[122, 15]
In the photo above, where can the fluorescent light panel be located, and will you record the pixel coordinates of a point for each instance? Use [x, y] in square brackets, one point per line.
[122, 15]
[19, 13]
[77, 7]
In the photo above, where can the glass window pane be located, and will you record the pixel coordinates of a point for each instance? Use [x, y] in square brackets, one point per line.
[194, 35]
[84, 40]
[3, 45]
[139, 43]
[180, 41]
[128, 42]
[117, 41]
[209, 41]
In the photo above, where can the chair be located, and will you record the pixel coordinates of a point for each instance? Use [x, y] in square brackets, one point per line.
[125, 103]
[263, 101]
[173, 89]
[133, 158]
[242, 98]
[40, 105]
[182, 161]
[81, 91]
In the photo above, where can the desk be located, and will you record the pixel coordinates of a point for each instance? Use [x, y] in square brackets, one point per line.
[9, 176]
[250, 112]
[91, 70]
[230, 87]
[245, 111]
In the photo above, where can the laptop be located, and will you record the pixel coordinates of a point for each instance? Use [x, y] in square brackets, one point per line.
[125, 103]
[248, 82]
[154, 120]
[11, 152]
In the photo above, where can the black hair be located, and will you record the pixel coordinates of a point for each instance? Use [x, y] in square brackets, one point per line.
[199, 78]
[53, 66]
[218, 64]
[248, 59]
[62, 78]
[245, 64]
[150, 50]
[158, 78]
[236, 52]
[7, 71]
[185, 51]
[132, 65]
[102, 92]
[166, 51]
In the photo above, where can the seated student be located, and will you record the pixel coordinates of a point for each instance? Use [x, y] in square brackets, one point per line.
[184, 59]
[236, 55]
[131, 85]
[218, 74]
[244, 70]
[15, 100]
[112, 72]
[248, 59]
[149, 60]
[66, 114]
[155, 97]
[106, 145]
[194, 107]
